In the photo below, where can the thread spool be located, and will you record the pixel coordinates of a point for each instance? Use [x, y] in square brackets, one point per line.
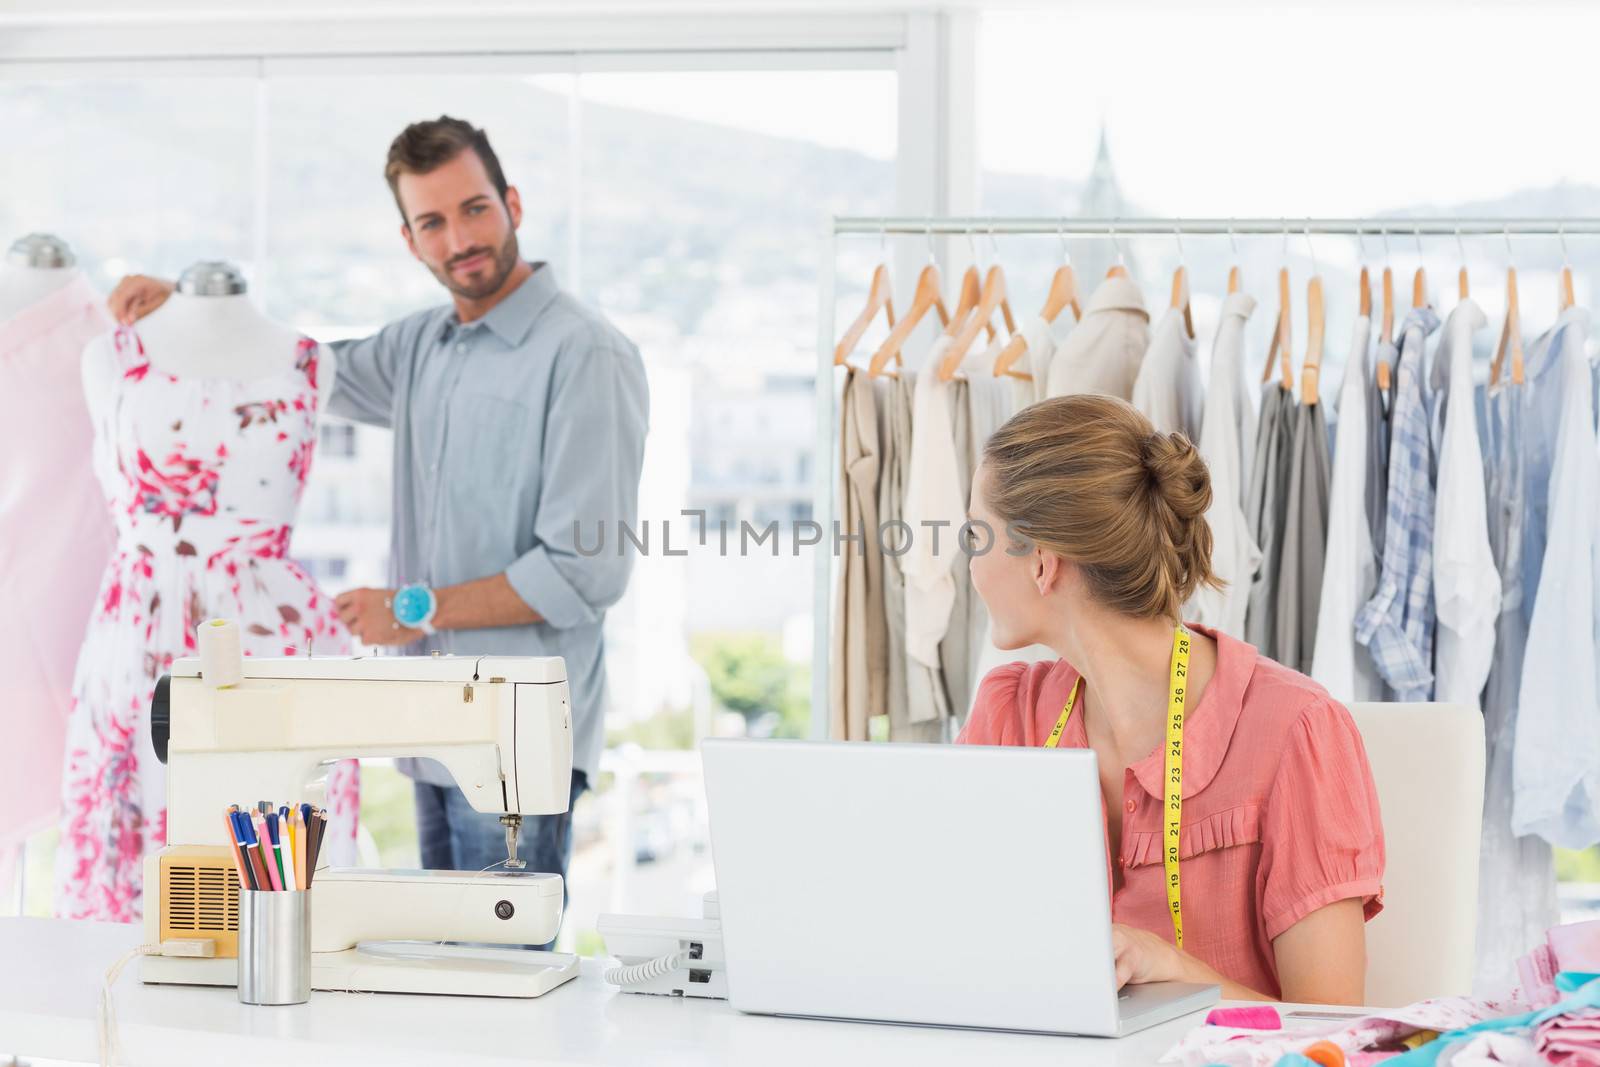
[221, 658]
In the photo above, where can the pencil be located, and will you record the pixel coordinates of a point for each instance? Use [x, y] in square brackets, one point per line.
[298, 835]
[252, 850]
[238, 854]
[265, 840]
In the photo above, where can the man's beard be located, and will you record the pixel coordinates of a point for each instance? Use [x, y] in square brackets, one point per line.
[505, 261]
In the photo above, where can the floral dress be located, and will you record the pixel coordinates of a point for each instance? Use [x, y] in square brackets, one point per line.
[203, 477]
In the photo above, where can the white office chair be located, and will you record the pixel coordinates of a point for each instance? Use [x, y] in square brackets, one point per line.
[1428, 763]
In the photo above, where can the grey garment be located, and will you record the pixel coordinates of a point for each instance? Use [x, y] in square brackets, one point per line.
[509, 431]
[860, 676]
[1266, 510]
[958, 652]
[1305, 539]
[1380, 408]
[908, 682]
[1516, 875]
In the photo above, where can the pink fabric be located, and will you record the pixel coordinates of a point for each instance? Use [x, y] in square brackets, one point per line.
[1576, 946]
[1570, 1039]
[1280, 813]
[1233, 1047]
[57, 536]
[1256, 1018]
[204, 476]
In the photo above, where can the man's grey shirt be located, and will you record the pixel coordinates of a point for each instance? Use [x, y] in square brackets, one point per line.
[508, 432]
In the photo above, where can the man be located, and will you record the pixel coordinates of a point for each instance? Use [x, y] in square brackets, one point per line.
[517, 414]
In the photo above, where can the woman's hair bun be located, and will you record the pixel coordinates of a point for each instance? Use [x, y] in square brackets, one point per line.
[1180, 475]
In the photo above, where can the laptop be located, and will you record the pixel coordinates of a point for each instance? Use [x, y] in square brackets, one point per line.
[940, 885]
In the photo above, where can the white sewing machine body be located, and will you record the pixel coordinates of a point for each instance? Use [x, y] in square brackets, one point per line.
[500, 725]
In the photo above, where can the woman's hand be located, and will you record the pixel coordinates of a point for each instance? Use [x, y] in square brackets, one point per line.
[1144, 957]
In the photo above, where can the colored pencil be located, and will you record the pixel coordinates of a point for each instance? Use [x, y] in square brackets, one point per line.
[265, 840]
[238, 854]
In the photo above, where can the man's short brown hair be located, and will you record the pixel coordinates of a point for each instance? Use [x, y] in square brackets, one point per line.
[428, 145]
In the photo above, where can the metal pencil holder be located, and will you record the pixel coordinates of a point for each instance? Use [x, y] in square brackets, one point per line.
[274, 947]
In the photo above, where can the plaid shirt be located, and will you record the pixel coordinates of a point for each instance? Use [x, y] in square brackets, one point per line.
[1397, 624]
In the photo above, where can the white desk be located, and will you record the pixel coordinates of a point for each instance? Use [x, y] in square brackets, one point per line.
[50, 974]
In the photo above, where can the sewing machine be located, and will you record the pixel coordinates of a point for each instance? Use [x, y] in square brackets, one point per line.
[500, 726]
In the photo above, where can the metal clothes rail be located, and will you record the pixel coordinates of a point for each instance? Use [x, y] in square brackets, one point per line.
[827, 441]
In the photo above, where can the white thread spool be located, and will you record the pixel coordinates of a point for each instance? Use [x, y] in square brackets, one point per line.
[221, 659]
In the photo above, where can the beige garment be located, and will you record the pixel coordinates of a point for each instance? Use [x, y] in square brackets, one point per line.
[860, 634]
[1102, 354]
[1168, 389]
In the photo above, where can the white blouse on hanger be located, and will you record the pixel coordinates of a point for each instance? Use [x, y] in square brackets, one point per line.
[1227, 440]
[933, 495]
[1466, 585]
[1350, 572]
[1167, 389]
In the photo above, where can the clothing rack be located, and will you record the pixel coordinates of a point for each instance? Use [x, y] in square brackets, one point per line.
[827, 442]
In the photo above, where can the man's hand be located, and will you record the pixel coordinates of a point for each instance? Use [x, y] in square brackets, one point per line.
[135, 296]
[369, 615]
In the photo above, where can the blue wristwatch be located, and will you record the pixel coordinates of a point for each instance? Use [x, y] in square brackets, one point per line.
[415, 606]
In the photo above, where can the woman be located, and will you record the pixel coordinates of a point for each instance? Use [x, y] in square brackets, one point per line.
[1280, 847]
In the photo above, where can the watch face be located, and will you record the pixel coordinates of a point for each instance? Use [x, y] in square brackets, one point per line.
[411, 605]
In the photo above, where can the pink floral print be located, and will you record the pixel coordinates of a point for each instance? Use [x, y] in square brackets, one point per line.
[203, 476]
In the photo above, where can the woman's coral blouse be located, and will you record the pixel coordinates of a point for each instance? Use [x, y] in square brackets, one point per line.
[1280, 815]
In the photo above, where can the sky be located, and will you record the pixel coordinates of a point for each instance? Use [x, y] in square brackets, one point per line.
[1309, 110]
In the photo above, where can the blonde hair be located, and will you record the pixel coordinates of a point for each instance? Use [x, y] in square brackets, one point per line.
[1089, 478]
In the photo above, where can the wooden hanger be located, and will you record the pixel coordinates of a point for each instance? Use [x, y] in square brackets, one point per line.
[1062, 295]
[1180, 298]
[1280, 346]
[879, 297]
[927, 295]
[1233, 280]
[1461, 283]
[1311, 370]
[1387, 335]
[1366, 294]
[1510, 335]
[1567, 299]
[971, 292]
[991, 297]
[1419, 289]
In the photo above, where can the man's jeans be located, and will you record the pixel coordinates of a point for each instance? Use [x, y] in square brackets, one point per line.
[454, 837]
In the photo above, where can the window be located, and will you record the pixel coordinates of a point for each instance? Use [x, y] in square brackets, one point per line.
[183, 162]
[338, 440]
[684, 205]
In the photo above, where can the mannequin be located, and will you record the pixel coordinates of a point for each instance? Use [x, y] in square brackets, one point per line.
[36, 266]
[208, 329]
[205, 421]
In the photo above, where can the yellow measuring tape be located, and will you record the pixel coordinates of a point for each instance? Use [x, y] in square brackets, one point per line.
[1173, 765]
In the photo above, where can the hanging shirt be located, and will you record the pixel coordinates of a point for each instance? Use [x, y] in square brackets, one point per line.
[1397, 624]
[1167, 389]
[1102, 354]
[935, 510]
[1227, 437]
[1350, 571]
[1516, 875]
[1380, 421]
[1557, 750]
[50, 502]
[860, 674]
[1305, 540]
[1466, 585]
[1266, 511]
[1036, 359]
